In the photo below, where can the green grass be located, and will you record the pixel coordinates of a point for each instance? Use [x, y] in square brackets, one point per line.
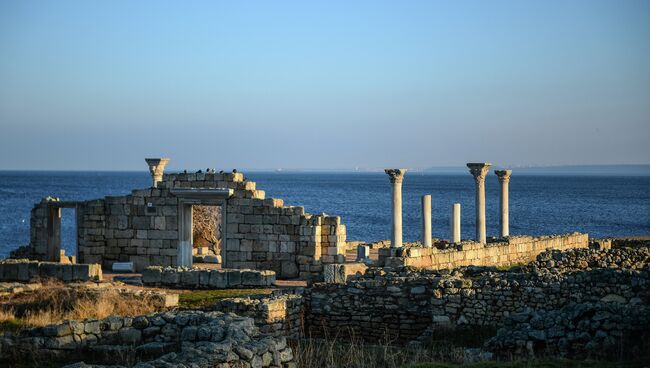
[509, 266]
[534, 364]
[11, 325]
[203, 298]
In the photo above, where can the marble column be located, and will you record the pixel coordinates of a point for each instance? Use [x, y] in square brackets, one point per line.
[426, 221]
[396, 178]
[504, 179]
[479, 170]
[455, 223]
[156, 168]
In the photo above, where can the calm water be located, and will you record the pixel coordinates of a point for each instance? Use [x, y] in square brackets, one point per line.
[600, 206]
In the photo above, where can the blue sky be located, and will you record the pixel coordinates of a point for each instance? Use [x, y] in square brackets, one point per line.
[333, 84]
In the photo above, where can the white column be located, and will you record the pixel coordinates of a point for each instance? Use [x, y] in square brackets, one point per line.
[396, 178]
[504, 179]
[426, 220]
[184, 254]
[156, 168]
[455, 223]
[479, 171]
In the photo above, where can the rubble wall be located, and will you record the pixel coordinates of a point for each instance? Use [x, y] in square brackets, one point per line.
[164, 339]
[404, 303]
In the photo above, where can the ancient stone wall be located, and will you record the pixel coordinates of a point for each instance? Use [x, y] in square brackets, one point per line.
[513, 250]
[165, 339]
[279, 315]
[188, 278]
[24, 270]
[577, 331]
[144, 228]
[403, 303]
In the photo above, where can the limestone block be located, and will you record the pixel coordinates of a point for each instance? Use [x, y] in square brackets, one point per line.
[289, 269]
[170, 277]
[339, 273]
[234, 278]
[252, 278]
[152, 275]
[190, 279]
[218, 279]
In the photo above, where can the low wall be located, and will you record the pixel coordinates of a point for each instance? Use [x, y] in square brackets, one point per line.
[24, 270]
[578, 331]
[276, 315]
[190, 278]
[403, 304]
[192, 338]
[516, 249]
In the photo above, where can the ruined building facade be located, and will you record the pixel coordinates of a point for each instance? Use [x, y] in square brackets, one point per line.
[153, 226]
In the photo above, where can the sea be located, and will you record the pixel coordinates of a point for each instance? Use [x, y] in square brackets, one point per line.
[540, 204]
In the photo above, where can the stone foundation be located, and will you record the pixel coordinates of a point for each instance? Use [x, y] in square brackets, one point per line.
[187, 278]
[24, 270]
[513, 250]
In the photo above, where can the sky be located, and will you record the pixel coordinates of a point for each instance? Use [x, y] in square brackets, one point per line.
[99, 85]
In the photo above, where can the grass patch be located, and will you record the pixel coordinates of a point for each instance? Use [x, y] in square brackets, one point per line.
[55, 302]
[508, 267]
[11, 325]
[204, 298]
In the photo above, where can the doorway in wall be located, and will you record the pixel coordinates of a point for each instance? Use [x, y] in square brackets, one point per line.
[69, 231]
[211, 234]
[62, 231]
[207, 231]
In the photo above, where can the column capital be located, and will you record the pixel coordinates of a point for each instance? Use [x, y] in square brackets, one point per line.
[504, 175]
[396, 175]
[156, 164]
[156, 168]
[479, 170]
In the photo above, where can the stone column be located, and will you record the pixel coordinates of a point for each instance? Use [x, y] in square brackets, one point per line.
[455, 223]
[479, 171]
[396, 178]
[426, 221]
[504, 179]
[156, 168]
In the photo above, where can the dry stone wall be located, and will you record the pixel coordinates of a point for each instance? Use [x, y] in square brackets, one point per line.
[516, 249]
[192, 338]
[404, 302]
[577, 331]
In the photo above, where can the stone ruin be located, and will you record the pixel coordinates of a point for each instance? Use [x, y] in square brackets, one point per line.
[567, 294]
[153, 226]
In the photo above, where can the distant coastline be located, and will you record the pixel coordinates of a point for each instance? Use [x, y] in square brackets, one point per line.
[570, 170]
